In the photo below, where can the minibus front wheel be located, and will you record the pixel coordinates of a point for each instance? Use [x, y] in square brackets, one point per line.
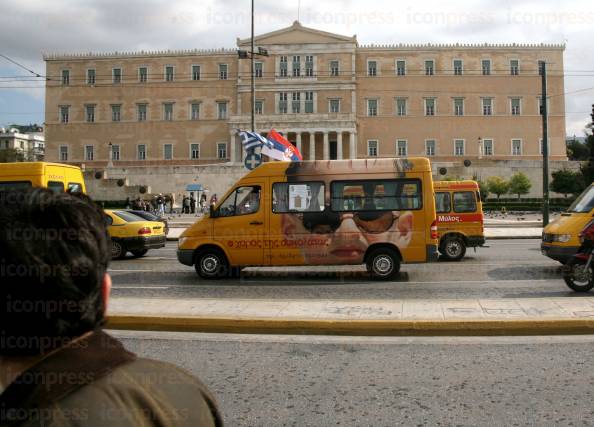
[211, 264]
[383, 263]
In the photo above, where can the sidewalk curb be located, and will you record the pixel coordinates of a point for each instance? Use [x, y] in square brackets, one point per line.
[512, 237]
[462, 327]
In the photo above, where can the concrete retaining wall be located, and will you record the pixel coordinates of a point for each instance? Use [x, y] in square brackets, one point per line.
[217, 178]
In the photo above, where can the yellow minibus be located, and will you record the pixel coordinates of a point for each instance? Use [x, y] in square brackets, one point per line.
[560, 240]
[377, 212]
[57, 177]
[460, 219]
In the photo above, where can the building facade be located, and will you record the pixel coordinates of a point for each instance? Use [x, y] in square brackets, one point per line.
[26, 146]
[331, 97]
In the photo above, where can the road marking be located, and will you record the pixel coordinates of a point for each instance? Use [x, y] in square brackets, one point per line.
[267, 282]
[352, 340]
[428, 282]
[146, 271]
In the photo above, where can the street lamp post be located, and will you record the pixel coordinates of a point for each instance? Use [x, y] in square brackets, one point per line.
[253, 83]
[251, 54]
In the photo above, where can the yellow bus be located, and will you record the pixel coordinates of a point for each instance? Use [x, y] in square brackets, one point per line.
[460, 219]
[560, 238]
[57, 177]
[377, 212]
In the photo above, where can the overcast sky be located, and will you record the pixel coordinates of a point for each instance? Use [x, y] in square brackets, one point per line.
[28, 28]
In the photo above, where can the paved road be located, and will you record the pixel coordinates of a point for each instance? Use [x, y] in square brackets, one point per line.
[508, 269]
[309, 381]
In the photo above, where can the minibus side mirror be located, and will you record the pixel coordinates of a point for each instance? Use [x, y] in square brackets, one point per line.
[213, 212]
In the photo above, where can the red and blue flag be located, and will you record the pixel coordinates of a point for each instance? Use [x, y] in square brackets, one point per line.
[279, 148]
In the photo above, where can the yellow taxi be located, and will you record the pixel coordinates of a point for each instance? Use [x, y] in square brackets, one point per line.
[129, 232]
[560, 238]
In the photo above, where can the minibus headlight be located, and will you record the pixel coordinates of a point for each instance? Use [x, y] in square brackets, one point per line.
[181, 241]
[563, 238]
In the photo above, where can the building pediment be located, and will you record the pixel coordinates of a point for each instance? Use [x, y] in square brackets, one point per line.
[297, 34]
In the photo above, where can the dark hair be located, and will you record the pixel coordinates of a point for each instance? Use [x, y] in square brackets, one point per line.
[54, 251]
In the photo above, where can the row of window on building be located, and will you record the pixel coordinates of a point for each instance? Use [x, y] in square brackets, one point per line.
[486, 147]
[142, 74]
[294, 101]
[458, 69]
[297, 68]
[142, 110]
[487, 106]
[194, 153]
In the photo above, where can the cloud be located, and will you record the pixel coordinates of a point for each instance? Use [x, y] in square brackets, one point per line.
[30, 27]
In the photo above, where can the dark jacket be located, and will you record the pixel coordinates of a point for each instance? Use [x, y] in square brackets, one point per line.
[96, 382]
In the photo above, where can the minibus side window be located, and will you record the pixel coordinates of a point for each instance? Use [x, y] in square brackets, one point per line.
[56, 186]
[74, 187]
[376, 195]
[464, 202]
[243, 201]
[297, 197]
[443, 202]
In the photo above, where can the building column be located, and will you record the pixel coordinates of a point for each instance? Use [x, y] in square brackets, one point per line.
[298, 137]
[326, 149]
[339, 145]
[353, 145]
[232, 148]
[312, 145]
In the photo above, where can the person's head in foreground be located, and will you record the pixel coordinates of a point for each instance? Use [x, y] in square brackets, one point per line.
[56, 365]
[54, 252]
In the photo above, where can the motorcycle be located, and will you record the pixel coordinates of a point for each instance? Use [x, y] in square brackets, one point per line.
[578, 273]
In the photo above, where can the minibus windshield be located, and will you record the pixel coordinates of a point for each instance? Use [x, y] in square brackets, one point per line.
[584, 203]
[14, 185]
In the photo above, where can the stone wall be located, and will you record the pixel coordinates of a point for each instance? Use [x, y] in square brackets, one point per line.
[217, 179]
[483, 169]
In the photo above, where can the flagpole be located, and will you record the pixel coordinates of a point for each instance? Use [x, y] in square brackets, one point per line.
[252, 73]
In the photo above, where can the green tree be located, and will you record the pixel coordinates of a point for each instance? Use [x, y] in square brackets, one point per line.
[577, 150]
[567, 182]
[497, 185]
[519, 184]
[588, 167]
[484, 190]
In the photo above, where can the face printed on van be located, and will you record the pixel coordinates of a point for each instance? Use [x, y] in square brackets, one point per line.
[339, 230]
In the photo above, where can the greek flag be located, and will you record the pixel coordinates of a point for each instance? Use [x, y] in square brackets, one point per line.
[251, 140]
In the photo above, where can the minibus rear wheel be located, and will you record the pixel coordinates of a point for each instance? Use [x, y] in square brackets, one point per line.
[383, 263]
[453, 248]
[211, 264]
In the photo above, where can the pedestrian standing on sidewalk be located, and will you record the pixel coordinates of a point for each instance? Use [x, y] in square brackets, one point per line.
[186, 204]
[57, 366]
[203, 203]
[160, 204]
[192, 203]
[171, 202]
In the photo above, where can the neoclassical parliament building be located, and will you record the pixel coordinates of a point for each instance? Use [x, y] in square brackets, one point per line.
[330, 96]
